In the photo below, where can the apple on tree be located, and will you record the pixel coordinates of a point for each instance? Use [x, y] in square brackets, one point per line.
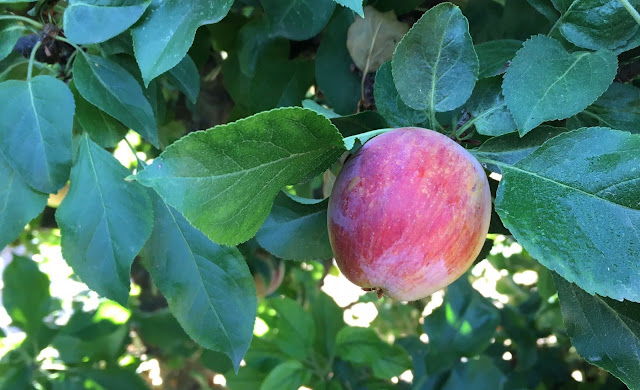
[408, 213]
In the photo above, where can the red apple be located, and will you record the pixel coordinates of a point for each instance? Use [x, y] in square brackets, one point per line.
[408, 213]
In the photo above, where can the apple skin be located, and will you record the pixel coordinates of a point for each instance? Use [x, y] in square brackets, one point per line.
[408, 213]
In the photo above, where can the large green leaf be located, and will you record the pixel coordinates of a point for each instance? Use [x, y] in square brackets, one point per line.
[224, 180]
[544, 82]
[618, 108]
[94, 21]
[296, 230]
[108, 86]
[19, 203]
[104, 129]
[339, 84]
[435, 66]
[494, 56]
[37, 117]
[10, 32]
[25, 295]
[186, 78]
[363, 346]
[288, 375]
[604, 331]
[597, 24]
[112, 378]
[298, 19]
[389, 104]
[209, 287]
[104, 221]
[574, 205]
[462, 326]
[166, 31]
[490, 114]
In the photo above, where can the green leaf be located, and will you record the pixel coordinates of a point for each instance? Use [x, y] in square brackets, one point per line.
[435, 66]
[597, 24]
[618, 108]
[166, 31]
[254, 39]
[112, 378]
[389, 103]
[26, 306]
[186, 78]
[247, 378]
[39, 110]
[481, 372]
[278, 82]
[16, 375]
[546, 8]
[93, 336]
[537, 89]
[604, 331]
[363, 346]
[362, 122]
[208, 287]
[339, 84]
[296, 231]
[510, 148]
[10, 32]
[19, 203]
[582, 212]
[94, 21]
[493, 56]
[105, 130]
[288, 375]
[490, 114]
[298, 20]
[328, 318]
[320, 109]
[224, 180]
[296, 329]
[108, 86]
[355, 5]
[104, 221]
[462, 326]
